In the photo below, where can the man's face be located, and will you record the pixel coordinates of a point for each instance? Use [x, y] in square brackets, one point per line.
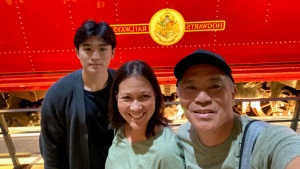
[207, 95]
[95, 55]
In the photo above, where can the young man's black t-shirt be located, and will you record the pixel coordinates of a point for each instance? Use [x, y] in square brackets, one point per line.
[100, 139]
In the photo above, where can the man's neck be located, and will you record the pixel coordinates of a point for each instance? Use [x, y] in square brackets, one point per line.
[216, 137]
[94, 82]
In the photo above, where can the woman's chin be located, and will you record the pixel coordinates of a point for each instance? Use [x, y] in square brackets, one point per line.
[135, 126]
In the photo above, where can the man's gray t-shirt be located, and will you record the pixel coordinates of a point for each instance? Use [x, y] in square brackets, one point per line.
[275, 147]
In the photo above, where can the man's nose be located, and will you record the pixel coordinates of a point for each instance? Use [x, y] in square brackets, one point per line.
[96, 55]
[203, 98]
[135, 105]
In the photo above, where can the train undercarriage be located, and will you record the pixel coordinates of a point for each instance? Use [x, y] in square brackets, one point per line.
[247, 90]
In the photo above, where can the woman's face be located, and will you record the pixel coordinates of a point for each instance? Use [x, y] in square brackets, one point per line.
[136, 101]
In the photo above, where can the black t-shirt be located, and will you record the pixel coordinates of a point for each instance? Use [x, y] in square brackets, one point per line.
[100, 138]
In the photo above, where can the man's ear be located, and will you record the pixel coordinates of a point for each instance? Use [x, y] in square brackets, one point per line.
[234, 90]
[113, 53]
[177, 90]
[234, 93]
[77, 52]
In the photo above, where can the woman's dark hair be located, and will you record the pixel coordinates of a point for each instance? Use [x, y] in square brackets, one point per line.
[132, 69]
[91, 28]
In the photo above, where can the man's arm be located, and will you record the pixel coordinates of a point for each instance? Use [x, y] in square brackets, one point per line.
[276, 147]
[53, 136]
[294, 164]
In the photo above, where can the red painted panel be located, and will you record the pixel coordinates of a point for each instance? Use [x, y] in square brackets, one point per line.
[10, 62]
[259, 37]
[157, 55]
[47, 24]
[49, 28]
[61, 60]
[136, 12]
[11, 34]
[82, 10]
[12, 40]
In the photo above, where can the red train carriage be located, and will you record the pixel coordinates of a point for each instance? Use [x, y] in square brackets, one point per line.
[260, 40]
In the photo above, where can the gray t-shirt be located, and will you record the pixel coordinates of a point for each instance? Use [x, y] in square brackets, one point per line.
[158, 152]
[275, 147]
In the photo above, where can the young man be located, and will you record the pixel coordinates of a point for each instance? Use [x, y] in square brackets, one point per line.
[212, 137]
[74, 112]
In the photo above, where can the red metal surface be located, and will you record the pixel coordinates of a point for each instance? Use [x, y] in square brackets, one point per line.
[261, 40]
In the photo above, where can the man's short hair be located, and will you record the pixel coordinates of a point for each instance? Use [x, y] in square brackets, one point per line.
[201, 56]
[91, 28]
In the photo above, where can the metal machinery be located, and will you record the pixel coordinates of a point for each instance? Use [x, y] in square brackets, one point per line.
[260, 40]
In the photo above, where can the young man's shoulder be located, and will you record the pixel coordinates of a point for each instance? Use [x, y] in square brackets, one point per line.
[112, 72]
[69, 79]
[66, 84]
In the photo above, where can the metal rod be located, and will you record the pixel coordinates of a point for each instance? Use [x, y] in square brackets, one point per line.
[9, 144]
[25, 132]
[171, 103]
[19, 110]
[294, 124]
[6, 155]
[275, 121]
[267, 99]
[252, 100]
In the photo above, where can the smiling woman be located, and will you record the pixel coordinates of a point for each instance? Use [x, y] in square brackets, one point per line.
[143, 138]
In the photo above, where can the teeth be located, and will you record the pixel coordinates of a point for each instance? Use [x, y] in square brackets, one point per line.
[138, 116]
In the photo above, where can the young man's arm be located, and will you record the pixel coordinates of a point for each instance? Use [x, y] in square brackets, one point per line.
[53, 135]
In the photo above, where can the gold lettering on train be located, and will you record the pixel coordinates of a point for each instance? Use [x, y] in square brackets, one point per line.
[130, 29]
[205, 26]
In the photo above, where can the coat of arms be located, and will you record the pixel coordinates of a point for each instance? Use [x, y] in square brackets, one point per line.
[167, 27]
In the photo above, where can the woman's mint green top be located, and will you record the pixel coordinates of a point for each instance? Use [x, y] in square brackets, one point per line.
[160, 151]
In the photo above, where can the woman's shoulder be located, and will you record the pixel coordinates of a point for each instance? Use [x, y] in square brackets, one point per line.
[170, 151]
[169, 131]
[119, 135]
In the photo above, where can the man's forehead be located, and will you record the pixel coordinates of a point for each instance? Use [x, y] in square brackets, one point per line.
[203, 78]
[200, 71]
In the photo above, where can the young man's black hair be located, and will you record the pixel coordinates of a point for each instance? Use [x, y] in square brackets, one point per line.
[91, 28]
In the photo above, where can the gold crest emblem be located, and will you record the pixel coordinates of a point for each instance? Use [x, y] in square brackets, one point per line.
[167, 27]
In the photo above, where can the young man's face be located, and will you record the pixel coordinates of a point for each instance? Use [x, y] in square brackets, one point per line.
[207, 95]
[95, 55]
